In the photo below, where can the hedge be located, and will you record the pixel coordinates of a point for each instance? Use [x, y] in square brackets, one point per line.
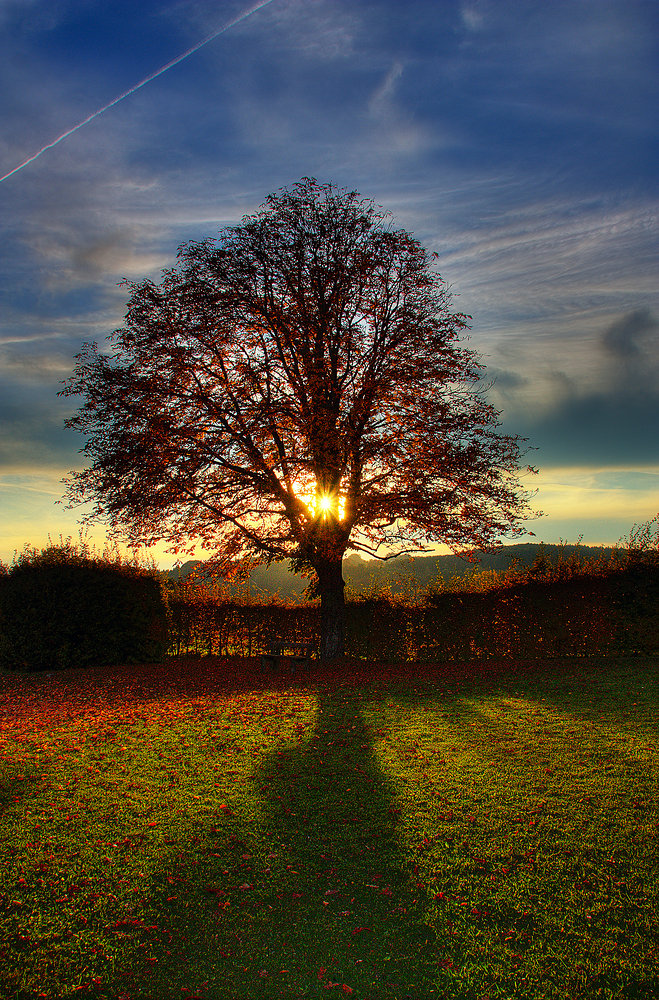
[62, 607]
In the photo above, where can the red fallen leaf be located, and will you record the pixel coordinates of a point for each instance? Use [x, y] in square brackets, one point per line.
[358, 930]
[152, 823]
[347, 989]
[321, 971]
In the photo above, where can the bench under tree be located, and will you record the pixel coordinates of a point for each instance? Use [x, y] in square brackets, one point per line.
[289, 654]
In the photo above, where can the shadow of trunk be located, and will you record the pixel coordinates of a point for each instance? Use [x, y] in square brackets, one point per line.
[342, 912]
[307, 894]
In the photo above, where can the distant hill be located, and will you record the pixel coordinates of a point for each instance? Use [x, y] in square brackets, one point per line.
[362, 575]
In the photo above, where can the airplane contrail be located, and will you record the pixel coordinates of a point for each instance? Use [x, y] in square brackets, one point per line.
[138, 86]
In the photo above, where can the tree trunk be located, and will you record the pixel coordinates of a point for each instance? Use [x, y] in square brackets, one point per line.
[332, 610]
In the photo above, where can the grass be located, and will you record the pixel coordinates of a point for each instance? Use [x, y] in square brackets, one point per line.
[199, 830]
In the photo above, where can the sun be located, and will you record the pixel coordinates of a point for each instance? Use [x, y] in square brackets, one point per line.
[321, 504]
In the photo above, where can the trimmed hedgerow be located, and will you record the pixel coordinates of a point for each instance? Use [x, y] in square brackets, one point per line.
[589, 613]
[64, 607]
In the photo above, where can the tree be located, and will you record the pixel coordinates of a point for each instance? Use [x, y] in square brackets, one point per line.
[296, 388]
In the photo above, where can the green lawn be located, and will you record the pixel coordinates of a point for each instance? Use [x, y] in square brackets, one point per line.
[201, 830]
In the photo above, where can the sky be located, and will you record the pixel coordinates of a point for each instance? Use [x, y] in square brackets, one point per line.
[516, 138]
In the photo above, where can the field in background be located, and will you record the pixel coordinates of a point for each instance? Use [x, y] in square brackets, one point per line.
[198, 829]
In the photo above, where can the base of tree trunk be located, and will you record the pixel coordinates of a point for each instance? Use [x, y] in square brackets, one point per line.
[332, 611]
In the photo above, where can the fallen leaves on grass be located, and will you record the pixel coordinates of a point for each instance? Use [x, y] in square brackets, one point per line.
[127, 788]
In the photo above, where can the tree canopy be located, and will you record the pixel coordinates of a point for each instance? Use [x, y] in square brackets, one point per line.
[296, 387]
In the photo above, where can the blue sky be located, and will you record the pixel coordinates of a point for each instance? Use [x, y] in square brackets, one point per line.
[517, 138]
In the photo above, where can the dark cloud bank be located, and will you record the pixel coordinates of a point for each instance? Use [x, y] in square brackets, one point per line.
[618, 424]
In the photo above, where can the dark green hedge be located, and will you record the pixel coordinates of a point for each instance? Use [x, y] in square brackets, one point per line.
[61, 608]
[579, 616]
[587, 614]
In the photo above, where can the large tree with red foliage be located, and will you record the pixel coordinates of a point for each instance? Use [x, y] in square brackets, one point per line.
[296, 388]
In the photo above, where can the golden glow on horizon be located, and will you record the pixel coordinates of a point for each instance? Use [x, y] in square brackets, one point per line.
[600, 503]
[587, 494]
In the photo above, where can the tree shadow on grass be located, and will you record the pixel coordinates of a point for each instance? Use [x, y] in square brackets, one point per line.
[344, 911]
[311, 894]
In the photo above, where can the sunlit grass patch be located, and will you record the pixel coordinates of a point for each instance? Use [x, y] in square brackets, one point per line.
[533, 830]
[394, 836]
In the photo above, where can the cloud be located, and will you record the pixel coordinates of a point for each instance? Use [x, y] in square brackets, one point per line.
[33, 14]
[623, 336]
[604, 406]
[384, 92]
[554, 287]
[579, 427]
[321, 30]
[633, 348]
[85, 246]
[625, 492]
[37, 367]
[396, 131]
[36, 436]
[531, 394]
[317, 31]
[579, 61]
[113, 254]
[474, 15]
[506, 381]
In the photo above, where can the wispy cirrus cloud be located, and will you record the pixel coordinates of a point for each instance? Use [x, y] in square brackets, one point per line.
[322, 30]
[134, 88]
[82, 257]
[381, 98]
[516, 140]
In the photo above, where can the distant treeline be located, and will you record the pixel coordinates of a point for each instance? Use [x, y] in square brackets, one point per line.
[65, 606]
[406, 575]
[567, 608]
